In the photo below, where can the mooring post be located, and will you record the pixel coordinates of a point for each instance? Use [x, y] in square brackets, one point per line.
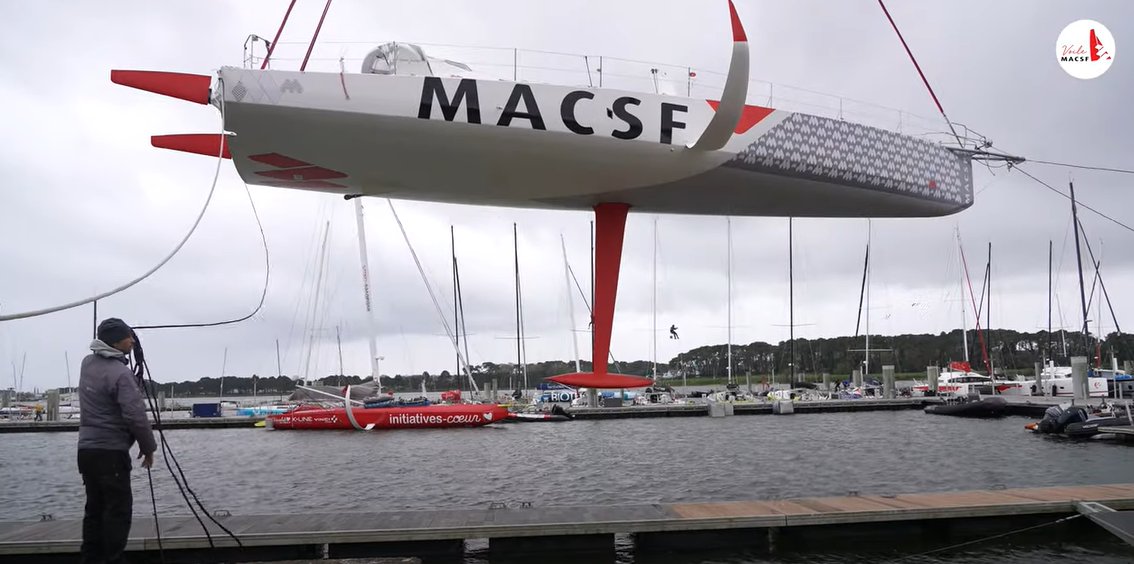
[1079, 379]
[856, 378]
[932, 373]
[5, 398]
[888, 381]
[826, 381]
[161, 401]
[1039, 381]
[53, 405]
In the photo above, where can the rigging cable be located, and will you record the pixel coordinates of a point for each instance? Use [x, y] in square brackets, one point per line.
[980, 540]
[433, 297]
[922, 74]
[192, 229]
[263, 291]
[1098, 277]
[1084, 167]
[1077, 201]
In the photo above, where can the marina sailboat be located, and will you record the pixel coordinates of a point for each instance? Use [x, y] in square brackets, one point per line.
[377, 411]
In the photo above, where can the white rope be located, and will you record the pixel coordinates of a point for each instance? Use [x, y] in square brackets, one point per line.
[432, 296]
[85, 301]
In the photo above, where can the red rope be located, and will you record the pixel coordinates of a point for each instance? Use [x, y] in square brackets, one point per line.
[311, 46]
[910, 53]
[279, 31]
[919, 72]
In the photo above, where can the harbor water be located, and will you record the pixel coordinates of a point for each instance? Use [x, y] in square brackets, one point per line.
[631, 461]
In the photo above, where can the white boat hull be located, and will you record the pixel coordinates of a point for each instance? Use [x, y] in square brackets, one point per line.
[424, 138]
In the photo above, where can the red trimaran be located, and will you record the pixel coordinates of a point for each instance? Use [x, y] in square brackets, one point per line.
[366, 419]
[384, 131]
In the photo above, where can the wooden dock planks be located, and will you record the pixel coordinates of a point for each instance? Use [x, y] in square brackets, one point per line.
[62, 536]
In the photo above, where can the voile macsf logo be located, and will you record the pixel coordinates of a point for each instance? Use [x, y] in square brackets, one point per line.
[1085, 49]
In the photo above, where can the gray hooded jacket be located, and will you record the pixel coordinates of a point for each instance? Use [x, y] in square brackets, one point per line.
[112, 413]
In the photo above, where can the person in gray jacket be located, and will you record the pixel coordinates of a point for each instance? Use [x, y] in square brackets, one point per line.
[112, 418]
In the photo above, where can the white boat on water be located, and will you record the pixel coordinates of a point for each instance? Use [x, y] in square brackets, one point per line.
[1057, 382]
[958, 379]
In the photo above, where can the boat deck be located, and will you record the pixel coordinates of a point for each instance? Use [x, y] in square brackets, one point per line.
[417, 533]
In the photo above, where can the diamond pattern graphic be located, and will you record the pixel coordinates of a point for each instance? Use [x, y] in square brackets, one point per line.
[239, 91]
[830, 150]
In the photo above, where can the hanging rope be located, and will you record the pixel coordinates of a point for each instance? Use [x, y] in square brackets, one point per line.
[192, 229]
[985, 539]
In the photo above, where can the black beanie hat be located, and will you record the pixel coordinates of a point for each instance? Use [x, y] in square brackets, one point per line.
[113, 330]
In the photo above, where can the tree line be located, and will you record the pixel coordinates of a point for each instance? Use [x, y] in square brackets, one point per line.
[1008, 351]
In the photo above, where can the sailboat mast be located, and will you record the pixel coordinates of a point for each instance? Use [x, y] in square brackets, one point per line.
[654, 301]
[1079, 260]
[964, 314]
[1098, 330]
[459, 313]
[313, 312]
[791, 299]
[67, 360]
[456, 317]
[570, 304]
[866, 360]
[728, 226]
[988, 315]
[1050, 257]
[224, 365]
[372, 329]
[594, 361]
[516, 256]
[339, 342]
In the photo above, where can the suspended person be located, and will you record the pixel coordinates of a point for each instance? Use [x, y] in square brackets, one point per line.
[673, 332]
[113, 418]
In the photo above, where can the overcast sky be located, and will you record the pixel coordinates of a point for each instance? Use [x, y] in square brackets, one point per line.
[87, 204]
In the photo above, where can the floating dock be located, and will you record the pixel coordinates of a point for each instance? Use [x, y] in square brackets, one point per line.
[750, 408]
[72, 425]
[938, 519]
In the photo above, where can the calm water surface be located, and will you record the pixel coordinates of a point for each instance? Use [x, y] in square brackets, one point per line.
[251, 471]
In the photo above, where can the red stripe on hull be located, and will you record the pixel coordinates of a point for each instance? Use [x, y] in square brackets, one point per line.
[425, 417]
[303, 174]
[279, 161]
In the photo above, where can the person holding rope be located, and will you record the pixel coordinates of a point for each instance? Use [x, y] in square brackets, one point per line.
[112, 418]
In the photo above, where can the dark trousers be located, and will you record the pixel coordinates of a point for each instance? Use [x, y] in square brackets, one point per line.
[106, 520]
